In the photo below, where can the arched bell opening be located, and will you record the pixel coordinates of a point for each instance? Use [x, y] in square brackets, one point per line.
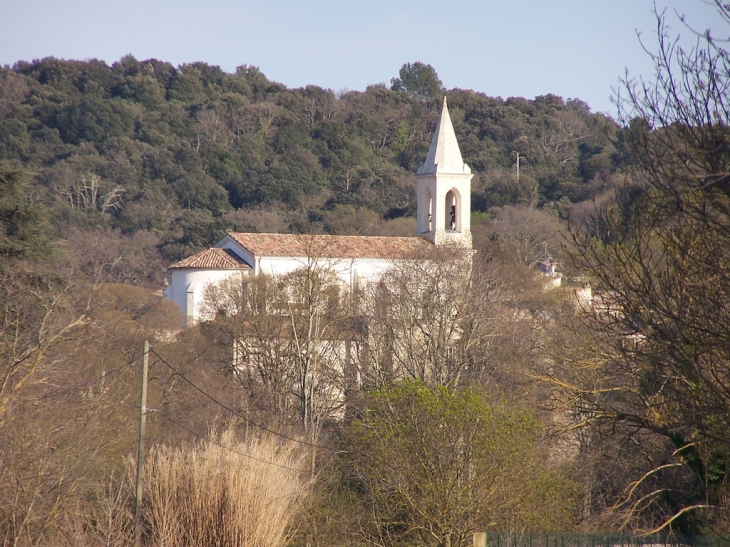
[426, 220]
[452, 210]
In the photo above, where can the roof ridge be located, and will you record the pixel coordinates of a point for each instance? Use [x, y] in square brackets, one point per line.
[324, 235]
[329, 245]
[214, 257]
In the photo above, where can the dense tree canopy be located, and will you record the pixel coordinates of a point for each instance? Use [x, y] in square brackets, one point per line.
[434, 465]
[419, 81]
[146, 147]
[21, 221]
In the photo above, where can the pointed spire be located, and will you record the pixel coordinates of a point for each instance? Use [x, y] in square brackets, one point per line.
[444, 155]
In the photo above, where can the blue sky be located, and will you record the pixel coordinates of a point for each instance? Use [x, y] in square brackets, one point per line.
[572, 48]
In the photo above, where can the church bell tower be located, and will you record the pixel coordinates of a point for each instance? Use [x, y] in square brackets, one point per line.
[444, 189]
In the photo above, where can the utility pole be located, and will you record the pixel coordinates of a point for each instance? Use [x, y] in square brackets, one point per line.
[140, 447]
[517, 154]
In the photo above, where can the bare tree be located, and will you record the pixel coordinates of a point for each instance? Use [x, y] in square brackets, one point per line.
[430, 319]
[288, 336]
[528, 234]
[651, 360]
[68, 361]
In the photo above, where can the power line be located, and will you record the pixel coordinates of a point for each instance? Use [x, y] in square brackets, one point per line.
[207, 439]
[104, 375]
[229, 409]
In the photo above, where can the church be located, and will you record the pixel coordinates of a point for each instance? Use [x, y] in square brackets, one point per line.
[442, 218]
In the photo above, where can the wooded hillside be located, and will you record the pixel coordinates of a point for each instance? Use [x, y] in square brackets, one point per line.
[163, 160]
[481, 400]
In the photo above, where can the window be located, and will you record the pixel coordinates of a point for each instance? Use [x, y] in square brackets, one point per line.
[450, 212]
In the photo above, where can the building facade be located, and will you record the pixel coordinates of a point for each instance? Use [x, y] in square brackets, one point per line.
[443, 219]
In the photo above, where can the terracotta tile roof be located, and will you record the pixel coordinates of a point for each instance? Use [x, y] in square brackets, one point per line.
[217, 259]
[332, 246]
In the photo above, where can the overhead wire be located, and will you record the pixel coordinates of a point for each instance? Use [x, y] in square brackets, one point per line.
[208, 439]
[103, 376]
[106, 374]
[235, 413]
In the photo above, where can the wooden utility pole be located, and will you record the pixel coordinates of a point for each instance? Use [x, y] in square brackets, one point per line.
[518, 166]
[140, 448]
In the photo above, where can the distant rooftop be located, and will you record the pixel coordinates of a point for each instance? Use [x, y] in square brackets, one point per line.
[218, 259]
[329, 246]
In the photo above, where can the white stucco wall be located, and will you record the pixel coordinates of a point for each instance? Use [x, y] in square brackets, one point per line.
[229, 243]
[436, 186]
[187, 289]
[349, 270]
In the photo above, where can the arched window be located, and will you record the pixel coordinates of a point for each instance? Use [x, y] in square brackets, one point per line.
[427, 221]
[451, 216]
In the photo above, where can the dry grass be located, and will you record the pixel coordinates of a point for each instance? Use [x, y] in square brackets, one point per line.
[209, 495]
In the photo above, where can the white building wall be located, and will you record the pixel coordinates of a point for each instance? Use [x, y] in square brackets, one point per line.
[188, 285]
[229, 243]
[349, 270]
[187, 289]
[438, 186]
